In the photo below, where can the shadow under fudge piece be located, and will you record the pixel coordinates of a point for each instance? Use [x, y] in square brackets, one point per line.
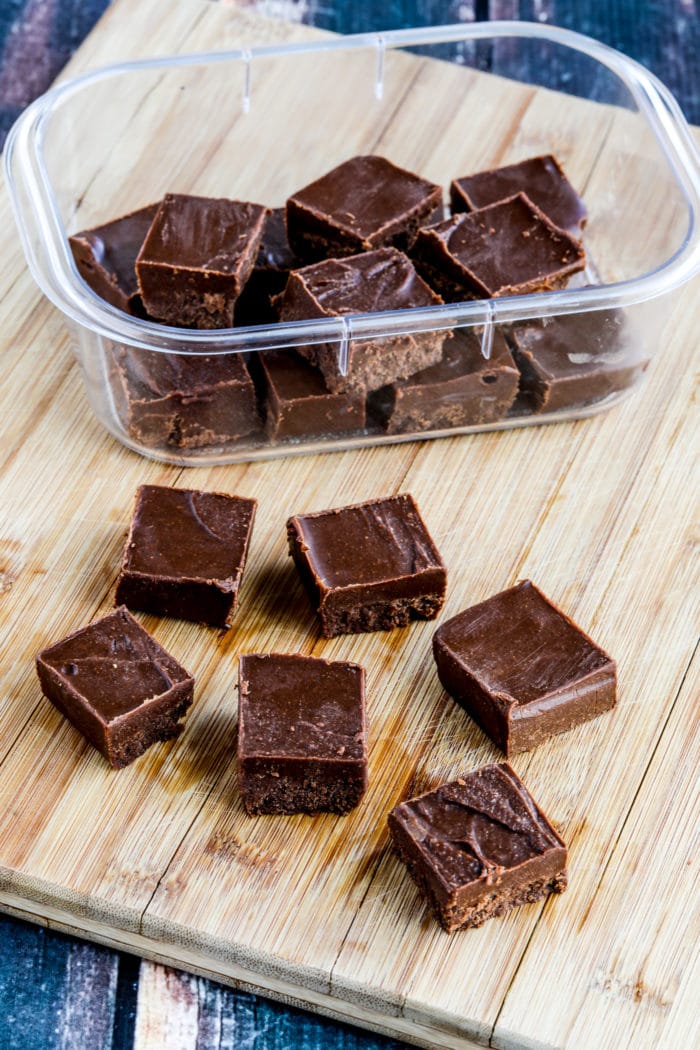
[368, 567]
[183, 400]
[301, 734]
[463, 389]
[106, 257]
[117, 686]
[478, 847]
[508, 248]
[382, 280]
[540, 178]
[299, 404]
[185, 554]
[522, 669]
[269, 275]
[364, 203]
[573, 360]
[197, 256]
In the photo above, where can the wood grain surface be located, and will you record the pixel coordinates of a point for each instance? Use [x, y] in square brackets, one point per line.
[161, 859]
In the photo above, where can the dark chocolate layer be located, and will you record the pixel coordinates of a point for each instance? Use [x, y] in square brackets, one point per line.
[569, 361]
[197, 257]
[183, 400]
[478, 846]
[364, 203]
[540, 178]
[380, 280]
[298, 402]
[462, 389]
[186, 553]
[106, 257]
[370, 566]
[117, 685]
[301, 734]
[507, 248]
[523, 669]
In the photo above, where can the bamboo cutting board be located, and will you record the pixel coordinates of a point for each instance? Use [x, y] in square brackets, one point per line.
[160, 858]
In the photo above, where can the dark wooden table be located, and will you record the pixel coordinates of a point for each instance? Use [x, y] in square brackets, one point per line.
[60, 992]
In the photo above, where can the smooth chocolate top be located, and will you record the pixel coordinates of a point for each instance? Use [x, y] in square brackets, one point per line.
[505, 248]
[114, 246]
[478, 826]
[298, 706]
[154, 375]
[380, 540]
[202, 233]
[184, 533]
[520, 647]
[365, 195]
[578, 345]
[114, 665]
[541, 178]
[381, 280]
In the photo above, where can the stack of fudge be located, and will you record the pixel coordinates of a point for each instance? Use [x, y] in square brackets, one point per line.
[365, 237]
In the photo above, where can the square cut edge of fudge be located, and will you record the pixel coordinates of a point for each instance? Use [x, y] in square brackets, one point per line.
[366, 202]
[117, 686]
[369, 566]
[369, 282]
[197, 257]
[478, 846]
[523, 669]
[186, 553]
[507, 248]
[302, 734]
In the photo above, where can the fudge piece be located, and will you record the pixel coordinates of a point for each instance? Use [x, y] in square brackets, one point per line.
[185, 554]
[382, 280]
[362, 204]
[574, 359]
[505, 249]
[478, 847]
[106, 257]
[117, 686]
[301, 734]
[368, 567]
[463, 389]
[183, 401]
[196, 258]
[269, 276]
[522, 669]
[299, 404]
[541, 178]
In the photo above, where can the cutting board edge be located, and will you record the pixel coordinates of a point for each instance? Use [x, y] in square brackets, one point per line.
[172, 953]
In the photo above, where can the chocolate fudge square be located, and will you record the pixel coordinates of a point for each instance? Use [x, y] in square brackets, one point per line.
[478, 847]
[540, 178]
[382, 280]
[368, 567]
[574, 360]
[269, 276]
[298, 403]
[183, 401]
[362, 204]
[196, 258]
[507, 248]
[522, 669]
[117, 686]
[301, 734]
[185, 554]
[106, 257]
[462, 389]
